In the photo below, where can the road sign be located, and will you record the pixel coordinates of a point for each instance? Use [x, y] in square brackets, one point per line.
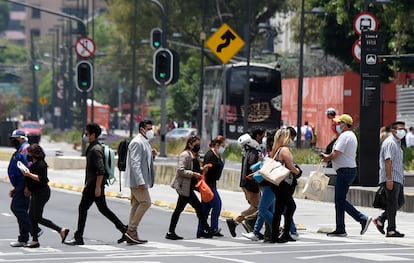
[225, 43]
[85, 47]
[356, 50]
[365, 21]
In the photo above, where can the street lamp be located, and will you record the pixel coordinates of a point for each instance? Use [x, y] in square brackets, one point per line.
[316, 10]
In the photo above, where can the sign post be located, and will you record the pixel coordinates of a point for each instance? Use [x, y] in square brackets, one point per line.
[370, 70]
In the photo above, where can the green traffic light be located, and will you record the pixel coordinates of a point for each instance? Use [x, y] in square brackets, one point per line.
[84, 84]
[157, 44]
[163, 75]
[36, 67]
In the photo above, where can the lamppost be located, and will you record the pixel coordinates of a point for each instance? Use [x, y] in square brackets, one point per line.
[316, 10]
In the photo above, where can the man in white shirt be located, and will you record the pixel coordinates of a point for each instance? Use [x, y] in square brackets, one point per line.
[409, 138]
[343, 161]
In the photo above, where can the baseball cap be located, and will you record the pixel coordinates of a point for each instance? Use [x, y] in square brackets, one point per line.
[344, 118]
[18, 134]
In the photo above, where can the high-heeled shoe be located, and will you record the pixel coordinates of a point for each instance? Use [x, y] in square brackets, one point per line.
[65, 235]
[33, 244]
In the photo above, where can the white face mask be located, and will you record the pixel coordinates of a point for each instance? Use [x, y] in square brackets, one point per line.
[85, 138]
[338, 128]
[400, 134]
[150, 134]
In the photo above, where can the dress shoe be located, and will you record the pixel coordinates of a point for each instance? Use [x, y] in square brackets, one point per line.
[17, 244]
[173, 236]
[65, 235]
[75, 242]
[33, 244]
[232, 226]
[204, 234]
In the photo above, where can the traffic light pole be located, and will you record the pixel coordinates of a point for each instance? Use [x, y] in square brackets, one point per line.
[162, 84]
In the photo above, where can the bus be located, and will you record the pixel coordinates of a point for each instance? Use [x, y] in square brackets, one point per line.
[223, 99]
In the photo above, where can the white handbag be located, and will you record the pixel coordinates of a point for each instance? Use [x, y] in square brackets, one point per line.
[274, 171]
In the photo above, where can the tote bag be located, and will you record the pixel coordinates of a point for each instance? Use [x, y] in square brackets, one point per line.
[274, 171]
[205, 190]
[316, 184]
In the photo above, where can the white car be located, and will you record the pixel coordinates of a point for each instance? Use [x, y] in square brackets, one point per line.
[181, 133]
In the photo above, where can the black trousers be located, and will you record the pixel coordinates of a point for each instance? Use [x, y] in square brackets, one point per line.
[38, 201]
[181, 203]
[88, 198]
[285, 204]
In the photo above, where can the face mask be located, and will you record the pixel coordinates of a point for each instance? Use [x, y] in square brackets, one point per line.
[149, 134]
[338, 128]
[85, 138]
[196, 148]
[221, 150]
[400, 134]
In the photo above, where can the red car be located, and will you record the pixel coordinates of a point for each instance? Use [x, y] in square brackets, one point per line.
[33, 130]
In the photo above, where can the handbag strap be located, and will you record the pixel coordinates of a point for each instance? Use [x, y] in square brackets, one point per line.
[321, 168]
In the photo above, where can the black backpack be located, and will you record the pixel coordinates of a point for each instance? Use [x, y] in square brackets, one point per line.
[122, 154]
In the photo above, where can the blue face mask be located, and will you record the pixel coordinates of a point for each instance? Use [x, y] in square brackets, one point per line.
[221, 150]
[338, 128]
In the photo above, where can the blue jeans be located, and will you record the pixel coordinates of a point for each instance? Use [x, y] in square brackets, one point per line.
[344, 178]
[266, 209]
[20, 206]
[215, 207]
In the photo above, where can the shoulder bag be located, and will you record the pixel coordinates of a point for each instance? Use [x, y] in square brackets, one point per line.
[205, 190]
[274, 171]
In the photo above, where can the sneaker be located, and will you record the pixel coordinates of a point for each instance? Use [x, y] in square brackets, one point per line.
[364, 225]
[173, 236]
[122, 239]
[295, 236]
[217, 233]
[205, 234]
[17, 244]
[232, 226]
[132, 237]
[394, 234]
[75, 242]
[337, 234]
[252, 236]
[379, 225]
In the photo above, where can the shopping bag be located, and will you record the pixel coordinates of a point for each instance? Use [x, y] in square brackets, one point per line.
[316, 184]
[274, 171]
[380, 200]
[205, 190]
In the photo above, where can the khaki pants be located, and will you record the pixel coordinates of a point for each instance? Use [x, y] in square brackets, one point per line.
[140, 203]
[253, 200]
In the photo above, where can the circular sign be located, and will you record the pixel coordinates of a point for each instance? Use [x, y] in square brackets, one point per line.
[42, 101]
[85, 47]
[356, 50]
[365, 21]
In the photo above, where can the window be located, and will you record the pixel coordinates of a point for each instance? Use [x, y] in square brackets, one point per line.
[35, 13]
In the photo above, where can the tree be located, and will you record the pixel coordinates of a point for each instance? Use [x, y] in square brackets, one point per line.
[4, 15]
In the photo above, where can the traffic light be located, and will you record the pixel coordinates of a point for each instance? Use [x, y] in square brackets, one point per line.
[36, 67]
[163, 67]
[84, 76]
[156, 38]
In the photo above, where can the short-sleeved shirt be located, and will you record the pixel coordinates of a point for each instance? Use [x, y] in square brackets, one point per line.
[391, 149]
[347, 144]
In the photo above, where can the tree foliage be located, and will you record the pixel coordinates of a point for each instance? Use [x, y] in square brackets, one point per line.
[4, 15]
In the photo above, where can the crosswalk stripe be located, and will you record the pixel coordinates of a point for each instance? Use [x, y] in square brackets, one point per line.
[102, 247]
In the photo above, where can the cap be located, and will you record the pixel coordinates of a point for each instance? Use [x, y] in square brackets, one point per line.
[344, 118]
[18, 134]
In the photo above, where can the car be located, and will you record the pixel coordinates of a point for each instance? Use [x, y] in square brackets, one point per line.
[33, 130]
[181, 133]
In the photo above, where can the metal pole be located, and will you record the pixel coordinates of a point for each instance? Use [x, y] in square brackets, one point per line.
[247, 88]
[300, 80]
[162, 85]
[33, 115]
[201, 89]
[134, 66]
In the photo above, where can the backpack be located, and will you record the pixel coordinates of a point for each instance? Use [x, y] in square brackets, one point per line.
[122, 154]
[308, 134]
[109, 162]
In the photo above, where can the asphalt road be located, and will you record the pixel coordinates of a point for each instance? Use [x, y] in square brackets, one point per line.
[101, 246]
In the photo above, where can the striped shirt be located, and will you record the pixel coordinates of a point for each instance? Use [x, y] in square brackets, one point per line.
[391, 149]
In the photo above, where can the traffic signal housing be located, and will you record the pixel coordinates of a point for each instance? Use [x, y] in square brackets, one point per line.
[163, 66]
[84, 76]
[156, 38]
